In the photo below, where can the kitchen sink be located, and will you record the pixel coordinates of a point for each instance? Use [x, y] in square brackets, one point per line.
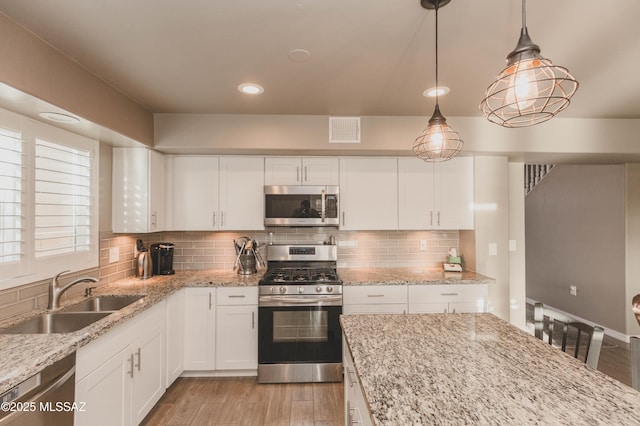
[103, 303]
[55, 322]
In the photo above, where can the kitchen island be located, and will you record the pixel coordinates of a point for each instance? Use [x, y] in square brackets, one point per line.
[474, 369]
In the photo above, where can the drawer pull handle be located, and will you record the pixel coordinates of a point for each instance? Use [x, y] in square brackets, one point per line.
[448, 294]
[236, 296]
[351, 378]
[375, 295]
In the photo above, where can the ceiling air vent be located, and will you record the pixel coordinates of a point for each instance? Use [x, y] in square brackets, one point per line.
[344, 129]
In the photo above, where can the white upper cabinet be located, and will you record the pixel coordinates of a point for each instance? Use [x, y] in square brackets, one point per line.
[435, 196]
[241, 193]
[368, 193]
[194, 203]
[138, 188]
[301, 171]
[217, 193]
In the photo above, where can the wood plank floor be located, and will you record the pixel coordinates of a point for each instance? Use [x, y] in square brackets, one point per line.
[243, 401]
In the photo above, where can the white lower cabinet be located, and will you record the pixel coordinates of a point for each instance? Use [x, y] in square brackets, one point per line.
[374, 299]
[237, 328]
[199, 328]
[448, 298]
[175, 336]
[356, 411]
[121, 375]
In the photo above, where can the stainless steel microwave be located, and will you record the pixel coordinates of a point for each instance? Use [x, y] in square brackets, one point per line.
[297, 205]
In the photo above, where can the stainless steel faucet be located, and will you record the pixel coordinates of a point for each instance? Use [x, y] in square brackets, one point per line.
[55, 291]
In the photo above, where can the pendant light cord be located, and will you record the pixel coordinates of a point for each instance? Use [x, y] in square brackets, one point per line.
[524, 13]
[437, 4]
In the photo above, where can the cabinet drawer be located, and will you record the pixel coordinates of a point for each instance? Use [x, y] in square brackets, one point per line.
[374, 294]
[387, 308]
[447, 293]
[237, 296]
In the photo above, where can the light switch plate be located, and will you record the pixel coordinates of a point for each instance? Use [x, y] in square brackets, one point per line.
[512, 245]
[423, 245]
[493, 249]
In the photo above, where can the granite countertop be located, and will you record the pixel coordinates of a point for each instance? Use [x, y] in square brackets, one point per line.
[416, 276]
[476, 369]
[22, 355]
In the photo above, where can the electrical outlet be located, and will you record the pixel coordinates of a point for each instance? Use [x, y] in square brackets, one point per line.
[114, 254]
[423, 245]
[573, 290]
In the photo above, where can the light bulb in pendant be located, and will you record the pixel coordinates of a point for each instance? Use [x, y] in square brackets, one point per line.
[436, 140]
[523, 87]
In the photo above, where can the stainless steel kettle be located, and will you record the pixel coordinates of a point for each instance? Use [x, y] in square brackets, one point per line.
[144, 268]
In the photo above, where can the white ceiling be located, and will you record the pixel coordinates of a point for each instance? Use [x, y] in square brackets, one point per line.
[369, 57]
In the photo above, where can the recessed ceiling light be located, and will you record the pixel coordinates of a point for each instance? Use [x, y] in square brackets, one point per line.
[431, 92]
[299, 55]
[59, 117]
[250, 88]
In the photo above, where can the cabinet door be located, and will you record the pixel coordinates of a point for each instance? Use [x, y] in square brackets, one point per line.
[107, 393]
[199, 329]
[237, 337]
[416, 192]
[454, 193]
[157, 173]
[175, 336]
[148, 382]
[241, 193]
[195, 193]
[283, 171]
[130, 190]
[368, 193]
[320, 171]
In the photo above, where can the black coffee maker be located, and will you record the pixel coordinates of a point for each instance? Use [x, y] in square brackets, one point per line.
[162, 257]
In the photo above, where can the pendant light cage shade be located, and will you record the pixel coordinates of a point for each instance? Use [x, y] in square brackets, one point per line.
[437, 142]
[528, 92]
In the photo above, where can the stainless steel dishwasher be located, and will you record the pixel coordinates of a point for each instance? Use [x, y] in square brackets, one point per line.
[44, 399]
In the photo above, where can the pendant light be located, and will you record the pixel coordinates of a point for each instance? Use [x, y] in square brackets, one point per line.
[530, 90]
[438, 142]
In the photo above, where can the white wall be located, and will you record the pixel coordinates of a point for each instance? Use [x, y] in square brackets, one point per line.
[517, 259]
[491, 230]
[558, 140]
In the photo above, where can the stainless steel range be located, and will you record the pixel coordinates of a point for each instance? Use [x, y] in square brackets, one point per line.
[299, 334]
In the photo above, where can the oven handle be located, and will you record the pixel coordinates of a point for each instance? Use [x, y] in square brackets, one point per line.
[323, 213]
[267, 301]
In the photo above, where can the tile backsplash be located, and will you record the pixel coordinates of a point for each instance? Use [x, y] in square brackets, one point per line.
[214, 250]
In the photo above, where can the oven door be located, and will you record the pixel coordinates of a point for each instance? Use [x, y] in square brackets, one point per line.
[299, 334]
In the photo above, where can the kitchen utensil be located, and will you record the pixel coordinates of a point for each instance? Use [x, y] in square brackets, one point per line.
[235, 264]
[144, 267]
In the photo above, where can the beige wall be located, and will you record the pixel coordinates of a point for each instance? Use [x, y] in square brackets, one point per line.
[34, 67]
[632, 261]
[575, 226]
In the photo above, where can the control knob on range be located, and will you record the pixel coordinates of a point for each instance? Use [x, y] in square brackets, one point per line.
[300, 289]
[329, 289]
[270, 289]
[283, 290]
[318, 289]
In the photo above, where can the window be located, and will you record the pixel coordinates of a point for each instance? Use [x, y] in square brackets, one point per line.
[48, 194]
[11, 194]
